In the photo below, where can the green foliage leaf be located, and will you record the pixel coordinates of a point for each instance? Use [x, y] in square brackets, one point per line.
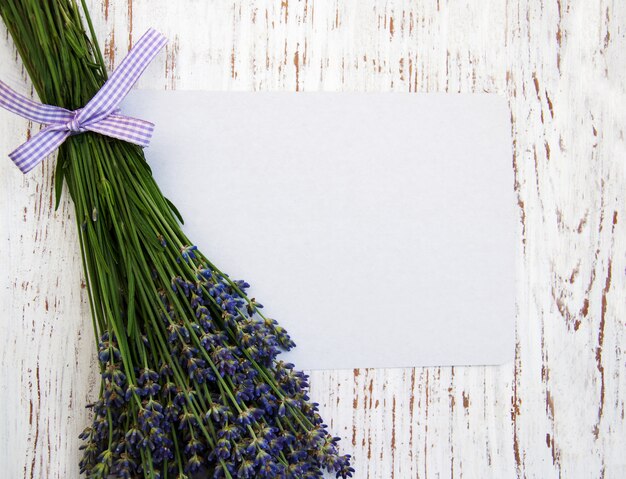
[130, 327]
[59, 174]
[175, 211]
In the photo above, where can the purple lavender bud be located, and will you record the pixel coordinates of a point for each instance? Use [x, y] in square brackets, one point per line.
[193, 464]
[134, 436]
[241, 284]
[246, 469]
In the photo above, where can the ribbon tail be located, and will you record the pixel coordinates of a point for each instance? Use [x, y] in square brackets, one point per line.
[30, 154]
[31, 110]
[124, 128]
[107, 99]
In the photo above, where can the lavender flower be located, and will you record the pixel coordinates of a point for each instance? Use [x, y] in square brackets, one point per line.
[220, 399]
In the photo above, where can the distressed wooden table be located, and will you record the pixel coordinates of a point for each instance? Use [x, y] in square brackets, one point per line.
[558, 410]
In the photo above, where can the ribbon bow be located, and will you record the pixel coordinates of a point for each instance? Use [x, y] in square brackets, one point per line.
[100, 115]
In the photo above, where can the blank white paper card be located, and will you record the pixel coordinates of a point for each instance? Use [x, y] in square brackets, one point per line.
[378, 228]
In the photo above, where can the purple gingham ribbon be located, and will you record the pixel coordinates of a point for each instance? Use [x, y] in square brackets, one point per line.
[100, 115]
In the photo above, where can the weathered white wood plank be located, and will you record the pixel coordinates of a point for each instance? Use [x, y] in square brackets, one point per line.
[558, 411]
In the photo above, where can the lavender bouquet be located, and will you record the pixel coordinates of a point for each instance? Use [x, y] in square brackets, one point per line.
[190, 380]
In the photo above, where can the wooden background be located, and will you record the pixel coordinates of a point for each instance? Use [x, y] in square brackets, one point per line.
[558, 411]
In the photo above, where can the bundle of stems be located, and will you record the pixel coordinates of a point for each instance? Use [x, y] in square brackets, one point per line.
[190, 380]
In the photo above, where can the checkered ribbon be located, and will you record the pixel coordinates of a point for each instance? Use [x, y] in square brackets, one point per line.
[100, 115]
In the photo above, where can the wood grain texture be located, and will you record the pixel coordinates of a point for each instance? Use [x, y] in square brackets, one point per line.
[558, 410]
